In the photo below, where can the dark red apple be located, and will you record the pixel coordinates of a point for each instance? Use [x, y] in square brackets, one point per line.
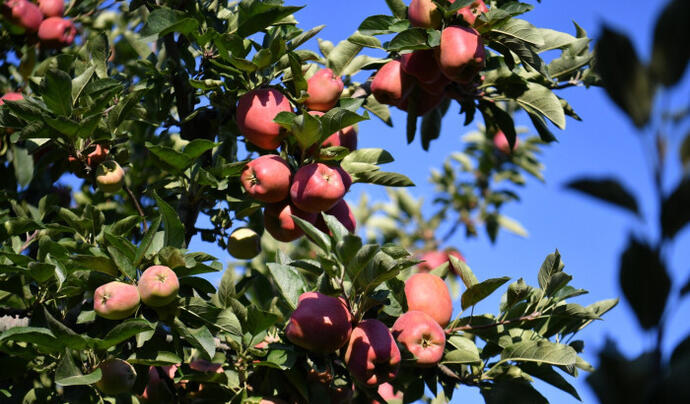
[51, 8]
[317, 187]
[24, 14]
[320, 323]
[157, 388]
[255, 113]
[391, 85]
[267, 178]
[372, 356]
[56, 32]
[429, 293]
[422, 65]
[421, 336]
[279, 223]
[424, 14]
[117, 376]
[343, 213]
[461, 53]
[324, 89]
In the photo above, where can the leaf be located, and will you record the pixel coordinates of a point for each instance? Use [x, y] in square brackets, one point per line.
[257, 15]
[174, 230]
[644, 281]
[383, 178]
[477, 292]
[685, 152]
[607, 190]
[541, 351]
[146, 241]
[289, 282]
[540, 99]
[337, 119]
[511, 391]
[80, 82]
[378, 24]
[675, 210]
[463, 270]
[520, 29]
[554, 39]
[550, 376]
[68, 374]
[669, 54]
[369, 156]
[465, 351]
[341, 56]
[512, 225]
[200, 338]
[23, 164]
[361, 260]
[304, 37]
[163, 21]
[398, 8]
[410, 39]
[625, 78]
[123, 331]
[315, 235]
[99, 50]
[170, 157]
[123, 262]
[307, 130]
[551, 265]
[367, 41]
[35, 335]
[56, 91]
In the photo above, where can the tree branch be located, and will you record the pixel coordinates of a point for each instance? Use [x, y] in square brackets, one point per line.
[137, 206]
[470, 327]
[29, 239]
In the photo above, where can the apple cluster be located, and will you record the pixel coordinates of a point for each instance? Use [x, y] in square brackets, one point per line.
[309, 186]
[450, 69]
[45, 20]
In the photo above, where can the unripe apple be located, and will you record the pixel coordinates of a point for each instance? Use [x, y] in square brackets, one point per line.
[471, 12]
[317, 187]
[157, 389]
[110, 177]
[116, 300]
[117, 377]
[279, 223]
[267, 178]
[346, 137]
[421, 336]
[324, 89]
[12, 96]
[255, 113]
[424, 14]
[391, 85]
[158, 286]
[434, 259]
[341, 210]
[501, 143]
[56, 32]
[372, 356]
[429, 293]
[461, 53]
[51, 8]
[25, 14]
[244, 244]
[422, 65]
[97, 156]
[387, 392]
[320, 323]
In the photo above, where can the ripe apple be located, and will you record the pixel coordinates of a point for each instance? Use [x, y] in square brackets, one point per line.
[501, 143]
[391, 85]
[320, 323]
[422, 65]
[387, 392]
[272, 400]
[421, 336]
[116, 300]
[461, 53]
[244, 243]
[279, 224]
[158, 286]
[56, 32]
[117, 376]
[12, 96]
[434, 259]
[97, 156]
[341, 210]
[429, 293]
[372, 355]
[317, 187]
[51, 8]
[324, 89]
[255, 112]
[267, 178]
[110, 177]
[346, 137]
[25, 14]
[471, 12]
[437, 87]
[157, 389]
[424, 14]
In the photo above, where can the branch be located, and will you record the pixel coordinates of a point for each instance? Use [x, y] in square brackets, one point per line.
[137, 206]
[470, 327]
[29, 239]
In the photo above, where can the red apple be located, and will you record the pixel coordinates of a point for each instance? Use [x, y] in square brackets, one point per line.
[267, 178]
[116, 300]
[279, 224]
[56, 32]
[434, 259]
[343, 213]
[272, 400]
[387, 392]
[255, 113]
[324, 89]
[372, 355]
[204, 366]
[117, 376]
[422, 65]
[391, 85]
[429, 293]
[51, 8]
[97, 156]
[158, 286]
[461, 53]
[157, 389]
[12, 96]
[320, 323]
[110, 177]
[501, 143]
[421, 336]
[24, 14]
[437, 87]
[471, 12]
[346, 137]
[424, 14]
[317, 187]
[244, 243]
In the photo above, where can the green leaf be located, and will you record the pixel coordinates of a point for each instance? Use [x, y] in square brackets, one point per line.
[123, 263]
[410, 39]
[378, 25]
[35, 335]
[551, 265]
[607, 190]
[341, 56]
[56, 89]
[365, 40]
[170, 157]
[123, 331]
[384, 178]
[540, 99]
[644, 281]
[163, 21]
[337, 119]
[478, 292]
[315, 235]
[511, 391]
[465, 351]
[23, 164]
[541, 351]
[257, 15]
[464, 271]
[520, 29]
[99, 50]
[669, 54]
[304, 37]
[80, 82]
[369, 156]
[550, 376]
[67, 373]
[398, 8]
[200, 338]
[675, 210]
[554, 39]
[147, 240]
[289, 282]
[361, 260]
[307, 130]
[174, 230]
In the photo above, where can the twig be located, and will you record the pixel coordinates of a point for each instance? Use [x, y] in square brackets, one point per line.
[137, 206]
[29, 239]
[469, 327]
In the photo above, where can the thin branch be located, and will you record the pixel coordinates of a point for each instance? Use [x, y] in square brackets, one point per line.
[470, 327]
[137, 206]
[29, 239]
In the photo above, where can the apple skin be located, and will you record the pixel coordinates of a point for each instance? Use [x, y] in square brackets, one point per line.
[320, 323]
[117, 376]
[116, 300]
[471, 12]
[157, 389]
[25, 14]
[51, 8]
[255, 112]
[387, 392]
[273, 400]
[429, 293]
[158, 286]
[204, 366]
[110, 177]
[391, 85]
[461, 53]
[372, 355]
[244, 243]
[324, 89]
[267, 178]
[317, 187]
[341, 210]
[97, 156]
[12, 96]
[422, 65]
[346, 137]
[424, 14]
[501, 143]
[56, 32]
[279, 224]
[434, 259]
[421, 336]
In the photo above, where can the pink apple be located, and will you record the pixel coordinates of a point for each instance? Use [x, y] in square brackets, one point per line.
[422, 65]
[461, 53]
[341, 210]
[279, 223]
[56, 32]
[391, 85]
[421, 336]
[501, 143]
[24, 14]
[429, 293]
[51, 8]
[424, 14]
[116, 300]
[372, 356]
[320, 323]
[434, 259]
[158, 286]
[11, 97]
[324, 89]
[317, 187]
[471, 12]
[255, 113]
[267, 178]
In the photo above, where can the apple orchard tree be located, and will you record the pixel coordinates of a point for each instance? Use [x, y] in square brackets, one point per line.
[171, 110]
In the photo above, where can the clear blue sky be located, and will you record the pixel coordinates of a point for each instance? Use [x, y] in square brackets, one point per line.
[589, 235]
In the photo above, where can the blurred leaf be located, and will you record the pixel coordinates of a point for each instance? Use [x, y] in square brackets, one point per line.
[607, 190]
[511, 391]
[670, 52]
[511, 225]
[675, 210]
[174, 230]
[478, 292]
[413, 38]
[289, 282]
[23, 164]
[465, 351]
[541, 351]
[550, 376]
[56, 89]
[398, 8]
[685, 152]
[644, 281]
[163, 21]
